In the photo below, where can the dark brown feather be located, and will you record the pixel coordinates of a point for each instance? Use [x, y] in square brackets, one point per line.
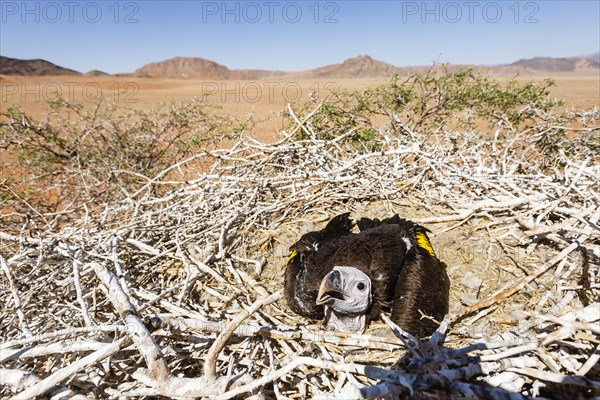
[422, 288]
[405, 278]
[307, 265]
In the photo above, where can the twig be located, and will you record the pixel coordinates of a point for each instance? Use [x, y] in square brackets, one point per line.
[140, 335]
[65, 373]
[15, 296]
[210, 365]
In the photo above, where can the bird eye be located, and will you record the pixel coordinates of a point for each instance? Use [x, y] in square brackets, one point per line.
[361, 286]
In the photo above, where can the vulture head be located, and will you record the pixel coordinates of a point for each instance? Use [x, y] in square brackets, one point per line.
[345, 293]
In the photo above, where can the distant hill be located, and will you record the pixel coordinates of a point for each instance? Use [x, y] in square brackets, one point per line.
[38, 67]
[594, 57]
[566, 64]
[196, 67]
[183, 67]
[357, 67]
[96, 72]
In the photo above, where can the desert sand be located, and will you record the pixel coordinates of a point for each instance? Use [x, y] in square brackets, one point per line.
[265, 99]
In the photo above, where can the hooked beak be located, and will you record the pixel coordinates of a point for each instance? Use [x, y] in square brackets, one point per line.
[331, 289]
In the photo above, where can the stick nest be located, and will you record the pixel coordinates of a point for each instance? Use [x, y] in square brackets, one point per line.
[176, 291]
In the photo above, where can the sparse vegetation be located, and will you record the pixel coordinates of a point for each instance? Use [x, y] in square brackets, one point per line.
[430, 104]
[78, 158]
[81, 157]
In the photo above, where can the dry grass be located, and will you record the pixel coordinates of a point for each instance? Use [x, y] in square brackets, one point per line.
[179, 294]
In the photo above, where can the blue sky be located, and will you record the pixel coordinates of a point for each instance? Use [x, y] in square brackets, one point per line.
[120, 36]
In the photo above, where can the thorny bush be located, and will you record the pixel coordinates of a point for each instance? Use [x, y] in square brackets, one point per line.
[421, 105]
[78, 158]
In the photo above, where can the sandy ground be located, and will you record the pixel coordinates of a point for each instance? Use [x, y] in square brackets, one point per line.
[265, 99]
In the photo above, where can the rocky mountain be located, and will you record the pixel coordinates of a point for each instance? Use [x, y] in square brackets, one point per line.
[95, 72]
[38, 67]
[566, 64]
[357, 67]
[594, 57]
[196, 67]
[184, 67]
[181, 67]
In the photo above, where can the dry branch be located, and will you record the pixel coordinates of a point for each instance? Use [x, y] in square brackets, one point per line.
[191, 273]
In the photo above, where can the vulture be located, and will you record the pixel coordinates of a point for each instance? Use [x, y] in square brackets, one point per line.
[348, 278]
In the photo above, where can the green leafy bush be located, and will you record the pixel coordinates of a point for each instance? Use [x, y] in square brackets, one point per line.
[428, 103]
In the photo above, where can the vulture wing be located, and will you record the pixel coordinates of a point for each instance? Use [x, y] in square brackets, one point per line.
[406, 276]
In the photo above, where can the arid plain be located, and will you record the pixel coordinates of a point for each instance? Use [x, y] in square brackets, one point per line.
[265, 99]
